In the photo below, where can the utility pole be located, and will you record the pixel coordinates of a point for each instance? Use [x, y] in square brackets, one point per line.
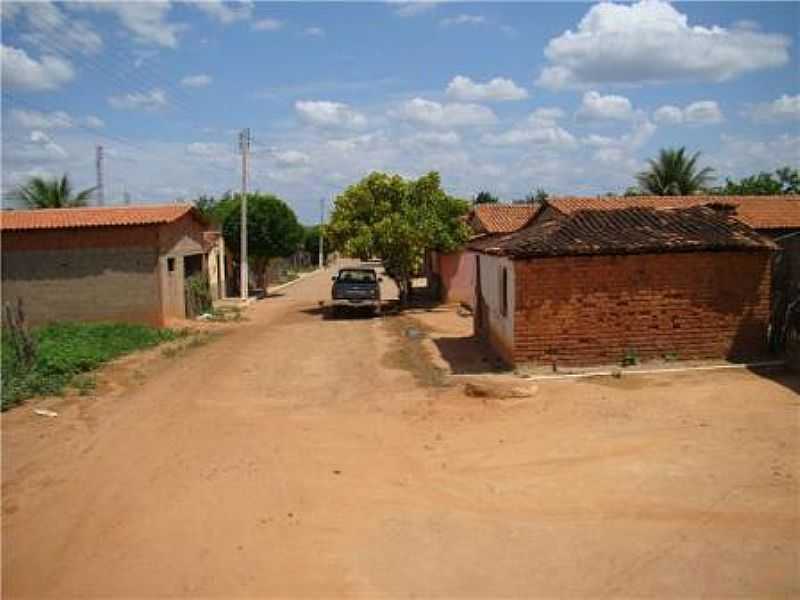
[99, 167]
[321, 239]
[244, 148]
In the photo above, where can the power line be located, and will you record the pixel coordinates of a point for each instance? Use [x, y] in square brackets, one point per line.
[109, 136]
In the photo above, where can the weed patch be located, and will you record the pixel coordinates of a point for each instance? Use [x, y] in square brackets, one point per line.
[66, 350]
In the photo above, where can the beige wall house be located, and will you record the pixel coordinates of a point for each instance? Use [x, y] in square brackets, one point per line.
[102, 263]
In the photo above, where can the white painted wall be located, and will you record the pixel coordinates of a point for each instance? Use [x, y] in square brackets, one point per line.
[502, 326]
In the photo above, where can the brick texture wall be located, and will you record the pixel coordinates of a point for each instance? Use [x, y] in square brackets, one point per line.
[114, 284]
[590, 310]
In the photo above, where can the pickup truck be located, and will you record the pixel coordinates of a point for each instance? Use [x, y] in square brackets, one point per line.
[356, 288]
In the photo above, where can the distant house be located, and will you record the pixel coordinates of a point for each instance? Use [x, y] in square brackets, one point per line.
[592, 285]
[103, 263]
[455, 271]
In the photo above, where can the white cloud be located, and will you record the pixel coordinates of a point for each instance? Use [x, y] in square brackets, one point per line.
[785, 108]
[350, 144]
[329, 114]
[94, 122]
[452, 114]
[49, 27]
[596, 107]
[267, 25]
[741, 157]
[196, 81]
[546, 115]
[703, 112]
[668, 114]
[436, 138]
[32, 119]
[291, 158]
[463, 19]
[40, 138]
[226, 12]
[153, 100]
[413, 8]
[314, 31]
[207, 149]
[147, 21]
[21, 72]
[499, 89]
[651, 42]
[532, 134]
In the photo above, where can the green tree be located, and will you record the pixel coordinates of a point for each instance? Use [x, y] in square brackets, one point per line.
[536, 197]
[38, 192]
[272, 230]
[783, 181]
[485, 197]
[674, 173]
[211, 207]
[397, 220]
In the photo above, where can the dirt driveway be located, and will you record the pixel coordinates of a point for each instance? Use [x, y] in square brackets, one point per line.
[291, 458]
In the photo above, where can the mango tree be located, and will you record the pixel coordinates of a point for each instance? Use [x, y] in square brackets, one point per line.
[396, 220]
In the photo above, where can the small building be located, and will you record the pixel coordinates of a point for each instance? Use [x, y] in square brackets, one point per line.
[455, 271]
[776, 217]
[102, 263]
[596, 285]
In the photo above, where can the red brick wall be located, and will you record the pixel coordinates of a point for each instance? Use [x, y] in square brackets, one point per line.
[590, 310]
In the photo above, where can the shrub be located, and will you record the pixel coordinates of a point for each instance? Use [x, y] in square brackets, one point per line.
[198, 295]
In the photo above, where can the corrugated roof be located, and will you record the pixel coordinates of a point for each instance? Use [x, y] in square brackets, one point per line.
[628, 231]
[759, 212]
[502, 218]
[96, 216]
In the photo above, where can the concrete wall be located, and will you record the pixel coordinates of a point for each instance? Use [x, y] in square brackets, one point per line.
[100, 284]
[498, 328]
[591, 310]
[175, 241]
[457, 274]
[100, 273]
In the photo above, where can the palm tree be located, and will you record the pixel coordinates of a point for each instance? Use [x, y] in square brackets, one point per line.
[674, 174]
[39, 192]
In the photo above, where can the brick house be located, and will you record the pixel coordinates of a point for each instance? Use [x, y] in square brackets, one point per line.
[102, 263]
[454, 272]
[591, 286]
[776, 217]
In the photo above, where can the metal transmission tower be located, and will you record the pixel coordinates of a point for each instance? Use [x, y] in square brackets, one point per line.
[244, 148]
[98, 161]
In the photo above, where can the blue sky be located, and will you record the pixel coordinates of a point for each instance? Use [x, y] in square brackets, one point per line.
[570, 97]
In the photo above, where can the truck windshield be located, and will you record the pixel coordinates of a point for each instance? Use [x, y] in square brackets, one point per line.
[356, 276]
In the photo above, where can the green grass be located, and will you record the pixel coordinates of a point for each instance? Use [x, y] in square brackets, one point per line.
[65, 350]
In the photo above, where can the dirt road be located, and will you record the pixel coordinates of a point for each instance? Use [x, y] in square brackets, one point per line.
[289, 458]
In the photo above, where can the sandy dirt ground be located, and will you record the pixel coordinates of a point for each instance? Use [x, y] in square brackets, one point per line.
[300, 456]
